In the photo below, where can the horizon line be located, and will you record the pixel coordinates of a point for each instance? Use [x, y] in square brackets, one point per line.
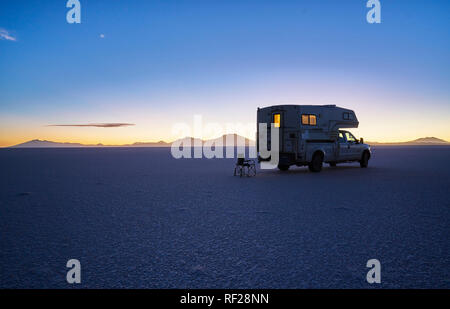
[441, 141]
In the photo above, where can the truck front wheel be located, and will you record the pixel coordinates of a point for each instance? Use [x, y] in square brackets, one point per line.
[316, 163]
[364, 160]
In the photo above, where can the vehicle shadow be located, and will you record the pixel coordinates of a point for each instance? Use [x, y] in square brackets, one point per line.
[325, 170]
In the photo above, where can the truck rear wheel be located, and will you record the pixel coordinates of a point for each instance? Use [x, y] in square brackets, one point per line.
[316, 163]
[283, 167]
[364, 160]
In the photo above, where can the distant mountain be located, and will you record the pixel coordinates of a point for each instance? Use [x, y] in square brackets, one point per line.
[49, 144]
[429, 140]
[419, 141]
[36, 143]
[220, 141]
[230, 140]
[149, 144]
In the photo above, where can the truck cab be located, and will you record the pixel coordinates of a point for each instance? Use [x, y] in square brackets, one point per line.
[350, 149]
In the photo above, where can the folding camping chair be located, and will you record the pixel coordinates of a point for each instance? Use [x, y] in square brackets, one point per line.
[245, 168]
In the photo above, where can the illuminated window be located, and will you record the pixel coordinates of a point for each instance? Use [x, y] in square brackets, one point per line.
[309, 120]
[277, 120]
[305, 119]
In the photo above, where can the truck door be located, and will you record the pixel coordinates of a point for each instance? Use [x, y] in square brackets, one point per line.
[354, 147]
[343, 147]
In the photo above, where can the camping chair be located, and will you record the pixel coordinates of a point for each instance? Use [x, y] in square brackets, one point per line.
[245, 168]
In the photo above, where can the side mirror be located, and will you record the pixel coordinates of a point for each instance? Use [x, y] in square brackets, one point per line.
[361, 140]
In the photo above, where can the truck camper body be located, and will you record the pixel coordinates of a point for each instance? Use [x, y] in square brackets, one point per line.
[312, 134]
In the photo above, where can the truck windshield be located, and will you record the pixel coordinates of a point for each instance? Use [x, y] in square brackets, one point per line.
[350, 137]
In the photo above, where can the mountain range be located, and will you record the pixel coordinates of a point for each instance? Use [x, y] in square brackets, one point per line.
[218, 142]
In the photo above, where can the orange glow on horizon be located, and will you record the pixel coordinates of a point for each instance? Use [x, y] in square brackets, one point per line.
[113, 140]
[375, 126]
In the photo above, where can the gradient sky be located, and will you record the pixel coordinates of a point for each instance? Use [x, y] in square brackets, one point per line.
[155, 63]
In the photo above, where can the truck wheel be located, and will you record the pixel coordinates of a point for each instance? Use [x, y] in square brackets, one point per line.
[364, 160]
[332, 164]
[283, 167]
[316, 163]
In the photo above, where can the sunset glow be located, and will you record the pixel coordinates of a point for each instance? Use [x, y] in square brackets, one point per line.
[158, 64]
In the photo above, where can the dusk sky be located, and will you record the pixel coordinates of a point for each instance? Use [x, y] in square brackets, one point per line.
[150, 64]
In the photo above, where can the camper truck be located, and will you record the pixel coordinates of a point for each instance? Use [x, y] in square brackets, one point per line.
[312, 135]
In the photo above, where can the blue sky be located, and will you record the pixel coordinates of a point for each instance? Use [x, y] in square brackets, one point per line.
[161, 62]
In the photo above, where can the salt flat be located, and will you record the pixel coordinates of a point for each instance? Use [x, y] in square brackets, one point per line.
[136, 217]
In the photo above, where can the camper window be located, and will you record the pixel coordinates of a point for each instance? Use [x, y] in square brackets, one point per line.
[277, 120]
[305, 119]
[309, 120]
[348, 116]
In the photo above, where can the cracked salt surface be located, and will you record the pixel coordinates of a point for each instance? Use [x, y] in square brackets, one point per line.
[139, 218]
